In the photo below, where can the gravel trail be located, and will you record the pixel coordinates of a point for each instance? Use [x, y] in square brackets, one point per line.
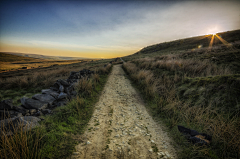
[121, 126]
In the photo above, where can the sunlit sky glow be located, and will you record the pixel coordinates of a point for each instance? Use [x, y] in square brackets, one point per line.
[108, 29]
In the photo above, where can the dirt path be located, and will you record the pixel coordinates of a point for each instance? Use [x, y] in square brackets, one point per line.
[121, 127]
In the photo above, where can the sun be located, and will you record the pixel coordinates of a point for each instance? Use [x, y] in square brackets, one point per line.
[213, 30]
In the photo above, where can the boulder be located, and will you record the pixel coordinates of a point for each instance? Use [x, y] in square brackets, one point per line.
[61, 103]
[6, 104]
[62, 95]
[46, 111]
[20, 109]
[18, 114]
[61, 88]
[7, 114]
[69, 89]
[31, 119]
[44, 98]
[29, 103]
[39, 113]
[55, 86]
[72, 80]
[63, 82]
[32, 111]
[54, 89]
[50, 92]
[74, 75]
[73, 93]
[194, 136]
[9, 126]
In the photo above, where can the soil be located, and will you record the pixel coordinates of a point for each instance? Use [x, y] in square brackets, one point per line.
[121, 127]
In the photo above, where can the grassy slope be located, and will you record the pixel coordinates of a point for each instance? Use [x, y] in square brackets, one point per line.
[185, 97]
[12, 58]
[188, 49]
[191, 43]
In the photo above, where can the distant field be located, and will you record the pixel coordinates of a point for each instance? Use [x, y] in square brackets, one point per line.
[9, 62]
[17, 83]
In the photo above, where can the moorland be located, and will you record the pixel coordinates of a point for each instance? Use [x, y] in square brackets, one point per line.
[192, 82]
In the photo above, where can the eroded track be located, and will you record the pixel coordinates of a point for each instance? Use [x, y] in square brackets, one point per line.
[121, 126]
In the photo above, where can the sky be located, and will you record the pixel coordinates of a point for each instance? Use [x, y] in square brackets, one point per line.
[108, 29]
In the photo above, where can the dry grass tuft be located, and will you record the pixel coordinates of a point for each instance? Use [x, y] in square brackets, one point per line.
[85, 87]
[104, 70]
[190, 67]
[21, 144]
[96, 78]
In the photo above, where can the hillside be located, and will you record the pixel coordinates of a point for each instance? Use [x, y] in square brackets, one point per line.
[47, 57]
[10, 62]
[192, 43]
[5, 57]
[193, 83]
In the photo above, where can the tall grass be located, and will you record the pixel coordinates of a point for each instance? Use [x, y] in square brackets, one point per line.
[163, 100]
[190, 67]
[19, 144]
[44, 79]
[104, 70]
[85, 87]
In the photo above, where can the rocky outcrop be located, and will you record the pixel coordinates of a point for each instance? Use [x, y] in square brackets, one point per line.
[25, 115]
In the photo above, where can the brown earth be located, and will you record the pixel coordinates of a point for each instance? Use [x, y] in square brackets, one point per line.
[121, 126]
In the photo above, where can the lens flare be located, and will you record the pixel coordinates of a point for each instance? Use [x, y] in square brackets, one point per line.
[211, 42]
[223, 41]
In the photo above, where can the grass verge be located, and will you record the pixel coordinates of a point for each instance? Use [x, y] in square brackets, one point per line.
[161, 96]
[58, 134]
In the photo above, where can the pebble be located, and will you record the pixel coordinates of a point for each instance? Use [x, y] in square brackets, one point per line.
[76, 153]
[150, 150]
[117, 136]
[88, 142]
[167, 154]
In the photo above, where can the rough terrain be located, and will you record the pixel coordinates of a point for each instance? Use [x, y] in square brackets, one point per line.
[121, 126]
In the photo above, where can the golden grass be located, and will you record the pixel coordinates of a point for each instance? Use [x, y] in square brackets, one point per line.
[191, 67]
[96, 78]
[104, 70]
[43, 78]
